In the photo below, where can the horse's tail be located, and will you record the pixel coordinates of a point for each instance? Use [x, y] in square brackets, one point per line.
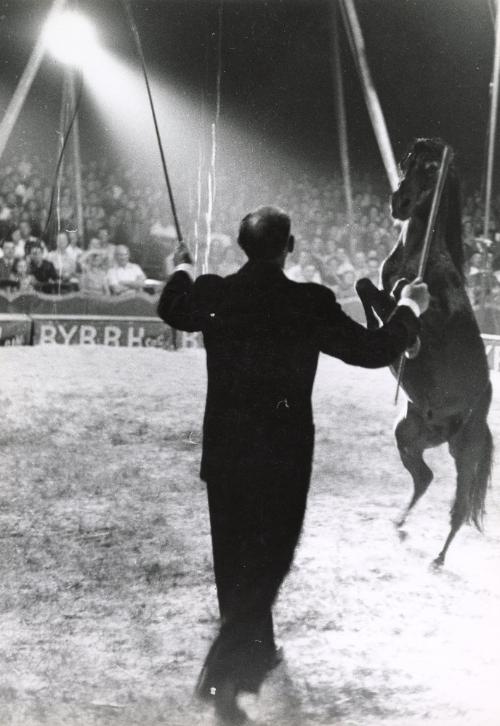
[484, 461]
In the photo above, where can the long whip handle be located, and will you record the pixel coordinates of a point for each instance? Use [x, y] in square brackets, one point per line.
[429, 233]
[436, 199]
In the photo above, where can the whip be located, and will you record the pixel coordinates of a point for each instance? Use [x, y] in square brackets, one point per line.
[138, 45]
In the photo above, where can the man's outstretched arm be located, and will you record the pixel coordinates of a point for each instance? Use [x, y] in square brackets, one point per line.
[344, 338]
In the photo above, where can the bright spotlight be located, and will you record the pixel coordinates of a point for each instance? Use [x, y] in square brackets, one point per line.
[70, 37]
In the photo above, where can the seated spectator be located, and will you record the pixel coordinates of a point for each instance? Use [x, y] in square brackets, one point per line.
[26, 240]
[24, 279]
[475, 266]
[170, 247]
[296, 272]
[310, 273]
[106, 246]
[495, 267]
[229, 264]
[359, 264]
[468, 238]
[74, 249]
[8, 277]
[63, 260]
[331, 247]
[382, 251]
[346, 287]
[94, 244]
[332, 278]
[43, 272]
[373, 270]
[94, 279]
[125, 276]
[319, 255]
[219, 243]
[345, 264]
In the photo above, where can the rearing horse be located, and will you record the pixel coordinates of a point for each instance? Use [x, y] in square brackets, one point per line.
[447, 383]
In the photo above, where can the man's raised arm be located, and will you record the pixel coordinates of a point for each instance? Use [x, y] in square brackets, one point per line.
[344, 338]
[178, 304]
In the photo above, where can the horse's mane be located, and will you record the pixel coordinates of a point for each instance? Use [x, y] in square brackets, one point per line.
[453, 230]
[451, 203]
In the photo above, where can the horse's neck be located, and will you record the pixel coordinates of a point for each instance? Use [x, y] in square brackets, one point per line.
[404, 259]
[413, 240]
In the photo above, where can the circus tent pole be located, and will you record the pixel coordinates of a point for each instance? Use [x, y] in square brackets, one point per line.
[490, 160]
[357, 43]
[341, 120]
[23, 87]
[492, 129]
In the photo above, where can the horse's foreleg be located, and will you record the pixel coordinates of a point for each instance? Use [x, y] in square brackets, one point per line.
[365, 289]
[374, 301]
[412, 437]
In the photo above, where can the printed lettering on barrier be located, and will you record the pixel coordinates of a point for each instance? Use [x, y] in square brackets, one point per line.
[15, 329]
[87, 330]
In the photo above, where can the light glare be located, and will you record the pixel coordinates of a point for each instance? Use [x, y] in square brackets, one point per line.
[70, 37]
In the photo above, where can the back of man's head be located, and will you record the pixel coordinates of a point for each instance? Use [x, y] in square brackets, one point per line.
[264, 233]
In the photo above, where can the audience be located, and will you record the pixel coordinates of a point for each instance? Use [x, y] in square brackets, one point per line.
[128, 234]
[305, 270]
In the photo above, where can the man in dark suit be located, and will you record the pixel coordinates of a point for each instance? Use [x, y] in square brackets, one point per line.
[263, 334]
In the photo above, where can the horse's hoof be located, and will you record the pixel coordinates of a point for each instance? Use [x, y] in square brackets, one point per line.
[363, 284]
[399, 285]
[226, 706]
[276, 658]
[402, 534]
[438, 562]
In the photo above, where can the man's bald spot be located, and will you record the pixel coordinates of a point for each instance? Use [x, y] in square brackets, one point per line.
[264, 233]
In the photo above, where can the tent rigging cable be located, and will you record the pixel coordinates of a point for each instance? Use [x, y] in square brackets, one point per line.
[65, 139]
[201, 162]
[212, 184]
[138, 44]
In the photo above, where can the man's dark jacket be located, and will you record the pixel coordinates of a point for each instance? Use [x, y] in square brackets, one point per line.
[263, 334]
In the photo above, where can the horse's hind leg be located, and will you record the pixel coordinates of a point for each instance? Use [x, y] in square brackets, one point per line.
[465, 464]
[472, 449]
[412, 436]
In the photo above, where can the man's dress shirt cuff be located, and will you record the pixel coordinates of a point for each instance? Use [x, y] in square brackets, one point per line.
[185, 267]
[414, 307]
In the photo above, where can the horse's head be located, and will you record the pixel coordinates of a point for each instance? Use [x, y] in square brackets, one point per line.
[420, 168]
[413, 198]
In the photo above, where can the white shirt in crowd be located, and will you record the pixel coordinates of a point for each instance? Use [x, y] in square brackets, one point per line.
[118, 275]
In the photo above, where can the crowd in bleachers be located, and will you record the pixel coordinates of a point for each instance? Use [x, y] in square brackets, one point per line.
[128, 240]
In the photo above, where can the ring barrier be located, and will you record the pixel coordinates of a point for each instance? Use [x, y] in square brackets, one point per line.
[78, 319]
